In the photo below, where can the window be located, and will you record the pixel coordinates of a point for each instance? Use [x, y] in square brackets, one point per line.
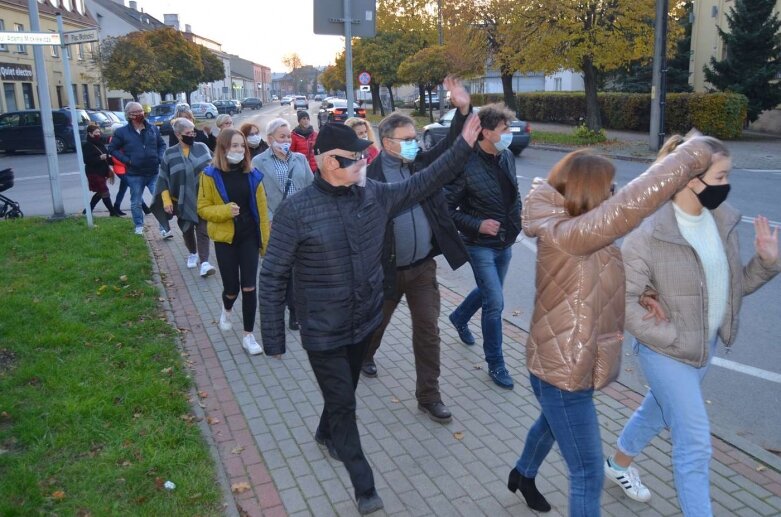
[75, 94]
[9, 92]
[98, 97]
[9, 120]
[85, 91]
[55, 49]
[32, 118]
[557, 84]
[81, 52]
[20, 49]
[3, 48]
[27, 95]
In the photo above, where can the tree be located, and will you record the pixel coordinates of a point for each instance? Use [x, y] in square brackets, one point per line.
[678, 66]
[592, 36]
[129, 63]
[753, 55]
[427, 68]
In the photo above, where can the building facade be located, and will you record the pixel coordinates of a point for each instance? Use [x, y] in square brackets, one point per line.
[17, 63]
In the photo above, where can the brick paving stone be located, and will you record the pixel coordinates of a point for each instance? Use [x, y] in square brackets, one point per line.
[755, 504]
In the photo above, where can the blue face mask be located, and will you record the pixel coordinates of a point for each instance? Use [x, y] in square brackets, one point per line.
[409, 150]
[504, 142]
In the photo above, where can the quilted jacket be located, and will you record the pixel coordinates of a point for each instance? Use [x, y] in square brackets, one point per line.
[661, 263]
[333, 238]
[578, 321]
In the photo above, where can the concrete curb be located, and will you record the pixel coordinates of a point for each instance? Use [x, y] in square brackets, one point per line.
[566, 149]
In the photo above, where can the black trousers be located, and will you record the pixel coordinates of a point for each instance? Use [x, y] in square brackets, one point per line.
[238, 265]
[337, 372]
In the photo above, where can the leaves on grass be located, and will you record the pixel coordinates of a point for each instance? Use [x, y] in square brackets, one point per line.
[83, 512]
[159, 483]
[123, 278]
[458, 435]
[237, 450]
[167, 371]
[188, 418]
[240, 488]
[58, 495]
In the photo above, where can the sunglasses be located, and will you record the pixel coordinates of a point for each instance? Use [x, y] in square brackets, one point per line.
[345, 162]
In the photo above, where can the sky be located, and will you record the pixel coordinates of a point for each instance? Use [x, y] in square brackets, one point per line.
[262, 31]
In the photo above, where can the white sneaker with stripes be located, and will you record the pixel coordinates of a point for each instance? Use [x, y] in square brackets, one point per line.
[629, 480]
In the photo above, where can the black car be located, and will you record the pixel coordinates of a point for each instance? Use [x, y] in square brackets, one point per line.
[433, 133]
[252, 103]
[23, 130]
[225, 106]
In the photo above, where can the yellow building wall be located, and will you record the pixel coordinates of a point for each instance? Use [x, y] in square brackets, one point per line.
[706, 43]
[84, 69]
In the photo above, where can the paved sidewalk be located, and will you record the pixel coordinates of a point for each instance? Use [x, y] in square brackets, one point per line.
[262, 414]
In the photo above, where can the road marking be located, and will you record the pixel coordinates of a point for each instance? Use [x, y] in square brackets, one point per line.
[748, 370]
[27, 178]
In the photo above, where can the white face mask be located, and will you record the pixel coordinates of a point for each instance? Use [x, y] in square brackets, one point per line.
[234, 158]
[283, 147]
[254, 140]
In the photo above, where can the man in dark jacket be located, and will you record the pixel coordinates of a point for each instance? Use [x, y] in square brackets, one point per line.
[140, 147]
[332, 234]
[412, 240]
[486, 208]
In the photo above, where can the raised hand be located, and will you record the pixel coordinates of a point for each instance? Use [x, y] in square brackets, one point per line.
[765, 242]
[471, 129]
[459, 97]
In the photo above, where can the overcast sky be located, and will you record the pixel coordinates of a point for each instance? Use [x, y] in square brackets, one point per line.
[262, 31]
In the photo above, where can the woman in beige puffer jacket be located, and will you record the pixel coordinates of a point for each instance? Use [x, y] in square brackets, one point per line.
[575, 339]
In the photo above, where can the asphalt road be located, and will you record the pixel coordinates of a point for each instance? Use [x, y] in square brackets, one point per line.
[743, 389]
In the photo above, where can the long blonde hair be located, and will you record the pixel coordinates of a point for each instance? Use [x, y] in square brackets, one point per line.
[672, 143]
[353, 122]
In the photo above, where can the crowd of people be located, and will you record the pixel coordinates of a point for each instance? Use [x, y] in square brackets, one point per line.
[358, 221]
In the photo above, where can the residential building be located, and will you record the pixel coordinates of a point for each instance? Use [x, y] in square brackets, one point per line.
[491, 82]
[242, 78]
[17, 63]
[262, 76]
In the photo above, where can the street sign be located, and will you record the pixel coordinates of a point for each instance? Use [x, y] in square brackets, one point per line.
[29, 38]
[365, 78]
[329, 17]
[366, 88]
[83, 36]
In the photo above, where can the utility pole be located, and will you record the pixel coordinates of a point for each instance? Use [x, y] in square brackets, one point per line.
[348, 58]
[440, 90]
[47, 120]
[659, 79]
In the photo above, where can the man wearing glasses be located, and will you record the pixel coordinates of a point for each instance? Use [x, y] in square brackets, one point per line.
[412, 239]
[331, 233]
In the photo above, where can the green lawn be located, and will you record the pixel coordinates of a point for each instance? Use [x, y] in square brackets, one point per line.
[551, 137]
[93, 394]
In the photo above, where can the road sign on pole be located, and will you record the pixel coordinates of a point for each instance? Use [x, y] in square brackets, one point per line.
[66, 70]
[364, 78]
[83, 36]
[29, 38]
[329, 17]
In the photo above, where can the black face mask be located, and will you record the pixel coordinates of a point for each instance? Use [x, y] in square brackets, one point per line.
[188, 140]
[713, 195]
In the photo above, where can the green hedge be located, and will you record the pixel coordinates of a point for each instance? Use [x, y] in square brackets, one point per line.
[722, 115]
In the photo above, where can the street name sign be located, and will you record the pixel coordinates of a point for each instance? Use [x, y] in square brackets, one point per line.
[83, 36]
[29, 38]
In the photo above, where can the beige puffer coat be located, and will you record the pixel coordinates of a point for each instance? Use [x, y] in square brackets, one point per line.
[578, 321]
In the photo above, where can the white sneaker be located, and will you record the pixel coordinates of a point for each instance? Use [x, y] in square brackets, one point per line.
[629, 480]
[225, 320]
[207, 269]
[166, 234]
[139, 230]
[251, 346]
[192, 261]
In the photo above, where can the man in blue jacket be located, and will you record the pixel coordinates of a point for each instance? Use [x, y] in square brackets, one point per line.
[140, 147]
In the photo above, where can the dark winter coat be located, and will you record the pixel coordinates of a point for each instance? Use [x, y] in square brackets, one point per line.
[333, 238]
[140, 152]
[91, 151]
[445, 238]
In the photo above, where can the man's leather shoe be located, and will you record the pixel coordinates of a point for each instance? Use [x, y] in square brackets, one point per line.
[463, 332]
[328, 444]
[369, 369]
[437, 411]
[369, 502]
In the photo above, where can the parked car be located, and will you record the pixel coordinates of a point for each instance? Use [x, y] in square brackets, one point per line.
[116, 121]
[287, 99]
[101, 120]
[300, 103]
[274, 98]
[433, 133]
[434, 101]
[319, 97]
[238, 105]
[161, 116]
[225, 106]
[335, 110]
[204, 110]
[23, 130]
[252, 103]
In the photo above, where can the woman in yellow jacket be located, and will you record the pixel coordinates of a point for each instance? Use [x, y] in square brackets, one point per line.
[232, 200]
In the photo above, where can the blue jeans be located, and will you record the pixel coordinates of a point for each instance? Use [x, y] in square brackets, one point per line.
[489, 266]
[137, 184]
[121, 190]
[567, 417]
[674, 400]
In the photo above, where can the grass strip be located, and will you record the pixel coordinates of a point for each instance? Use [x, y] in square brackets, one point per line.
[94, 412]
[552, 137]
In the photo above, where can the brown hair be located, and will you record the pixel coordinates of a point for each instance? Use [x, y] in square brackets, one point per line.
[584, 179]
[91, 128]
[224, 144]
[247, 127]
[672, 143]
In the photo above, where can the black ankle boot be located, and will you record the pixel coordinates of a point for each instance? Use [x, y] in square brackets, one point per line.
[534, 499]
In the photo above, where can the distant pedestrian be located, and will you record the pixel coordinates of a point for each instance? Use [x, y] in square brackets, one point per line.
[486, 207]
[222, 121]
[303, 139]
[139, 146]
[184, 111]
[255, 142]
[364, 131]
[98, 169]
[177, 192]
[331, 234]
[684, 285]
[574, 344]
[232, 200]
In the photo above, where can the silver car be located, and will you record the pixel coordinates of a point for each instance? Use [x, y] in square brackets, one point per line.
[204, 110]
[300, 103]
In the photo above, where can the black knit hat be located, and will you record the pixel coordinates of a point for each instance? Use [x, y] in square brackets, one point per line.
[302, 114]
[338, 136]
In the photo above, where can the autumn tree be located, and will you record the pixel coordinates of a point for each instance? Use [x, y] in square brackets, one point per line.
[129, 63]
[332, 77]
[427, 68]
[752, 61]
